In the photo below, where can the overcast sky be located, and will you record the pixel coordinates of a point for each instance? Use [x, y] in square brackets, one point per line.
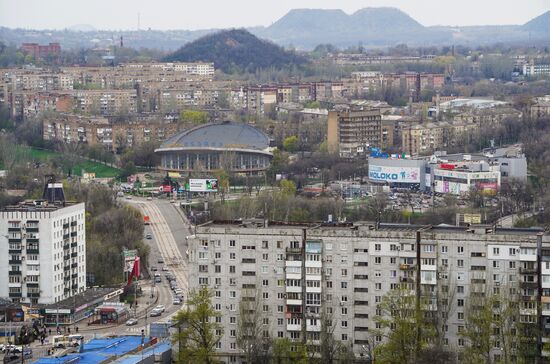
[189, 14]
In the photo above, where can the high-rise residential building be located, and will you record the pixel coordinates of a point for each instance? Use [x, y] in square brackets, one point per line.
[352, 132]
[44, 242]
[299, 273]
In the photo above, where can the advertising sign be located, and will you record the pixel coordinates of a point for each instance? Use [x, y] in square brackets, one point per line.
[129, 259]
[394, 174]
[472, 218]
[203, 185]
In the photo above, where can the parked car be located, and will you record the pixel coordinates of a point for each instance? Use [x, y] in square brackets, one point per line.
[165, 269]
[153, 269]
[148, 236]
[160, 308]
[160, 261]
[176, 301]
[131, 322]
[178, 291]
[149, 199]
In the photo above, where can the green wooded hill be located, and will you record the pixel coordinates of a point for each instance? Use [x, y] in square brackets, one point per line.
[235, 50]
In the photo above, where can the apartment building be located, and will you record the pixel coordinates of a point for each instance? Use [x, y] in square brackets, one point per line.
[536, 70]
[99, 130]
[425, 138]
[44, 258]
[300, 272]
[351, 132]
[39, 51]
[541, 107]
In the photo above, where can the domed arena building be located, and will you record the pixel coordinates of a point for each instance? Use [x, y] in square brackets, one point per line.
[233, 146]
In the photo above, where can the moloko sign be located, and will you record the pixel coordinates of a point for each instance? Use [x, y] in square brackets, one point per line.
[394, 174]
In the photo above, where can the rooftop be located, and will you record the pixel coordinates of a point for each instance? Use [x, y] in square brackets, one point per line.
[228, 134]
[99, 350]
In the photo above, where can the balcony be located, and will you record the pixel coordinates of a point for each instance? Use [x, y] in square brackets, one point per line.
[14, 251]
[74, 275]
[32, 229]
[533, 285]
[14, 273]
[66, 226]
[528, 270]
[406, 266]
[33, 251]
[14, 229]
[74, 265]
[14, 261]
[294, 250]
[66, 246]
[73, 234]
[74, 286]
[66, 268]
[73, 223]
[33, 240]
[15, 294]
[65, 236]
[67, 257]
[14, 240]
[74, 255]
[33, 295]
[406, 280]
[528, 298]
[74, 244]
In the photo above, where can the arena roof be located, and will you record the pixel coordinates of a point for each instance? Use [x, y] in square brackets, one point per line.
[228, 134]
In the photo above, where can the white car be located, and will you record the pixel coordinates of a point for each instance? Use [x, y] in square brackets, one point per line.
[161, 308]
[176, 301]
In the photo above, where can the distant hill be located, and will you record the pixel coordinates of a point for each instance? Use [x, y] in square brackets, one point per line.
[371, 26]
[540, 24]
[235, 50]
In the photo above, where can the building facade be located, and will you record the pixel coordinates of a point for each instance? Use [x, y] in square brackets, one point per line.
[44, 258]
[352, 132]
[300, 273]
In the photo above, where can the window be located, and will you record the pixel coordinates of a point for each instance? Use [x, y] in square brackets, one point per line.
[444, 249]
[344, 285]
[280, 257]
[265, 244]
[232, 243]
[279, 244]
[265, 257]
[428, 248]
[344, 337]
[378, 286]
[496, 251]
[461, 315]
[280, 309]
[344, 272]
[265, 282]
[232, 294]
[377, 247]
[232, 256]
[265, 295]
[512, 265]
[460, 263]
[329, 284]
[460, 289]
[460, 302]
[217, 268]
[460, 249]
[344, 323]
[377, 260]
[232, 269]
[344, 310]
[512, 251]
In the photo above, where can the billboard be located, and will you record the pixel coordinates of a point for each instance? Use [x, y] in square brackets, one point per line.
[394, 174]
[129, 259]
[203, 185]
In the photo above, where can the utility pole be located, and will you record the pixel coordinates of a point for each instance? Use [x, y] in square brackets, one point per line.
[417, 291]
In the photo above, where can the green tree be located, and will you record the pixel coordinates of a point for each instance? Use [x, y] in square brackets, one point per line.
[287, 352]
[290, 144]
[195, 117]
[288, 188]
[223, 183]
[401, 322]
[196, 337]
[252, 335]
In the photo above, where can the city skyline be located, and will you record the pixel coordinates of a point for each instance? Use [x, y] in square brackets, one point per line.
[166, 14]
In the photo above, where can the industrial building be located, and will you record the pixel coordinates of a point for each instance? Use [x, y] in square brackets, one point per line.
[232, 146]
[299, 272]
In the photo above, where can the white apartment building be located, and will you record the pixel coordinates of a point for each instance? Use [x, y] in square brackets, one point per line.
[536, 70]
[300, 272]
[44, 258]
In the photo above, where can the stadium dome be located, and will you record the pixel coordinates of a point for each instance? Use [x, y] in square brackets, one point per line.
[237, 147]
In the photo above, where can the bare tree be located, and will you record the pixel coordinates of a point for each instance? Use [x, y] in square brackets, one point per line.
[253, 327]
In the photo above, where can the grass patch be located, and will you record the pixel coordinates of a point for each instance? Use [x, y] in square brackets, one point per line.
[101, 170]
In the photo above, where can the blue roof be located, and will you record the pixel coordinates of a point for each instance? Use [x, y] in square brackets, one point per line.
[97, 350]
[133, 359]
[228, 134]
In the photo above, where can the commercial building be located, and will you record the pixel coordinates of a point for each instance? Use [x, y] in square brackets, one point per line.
[233, 146]
[352, 132]
[300, 272]
[461, 178]
[398, 173]
[44, 258]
